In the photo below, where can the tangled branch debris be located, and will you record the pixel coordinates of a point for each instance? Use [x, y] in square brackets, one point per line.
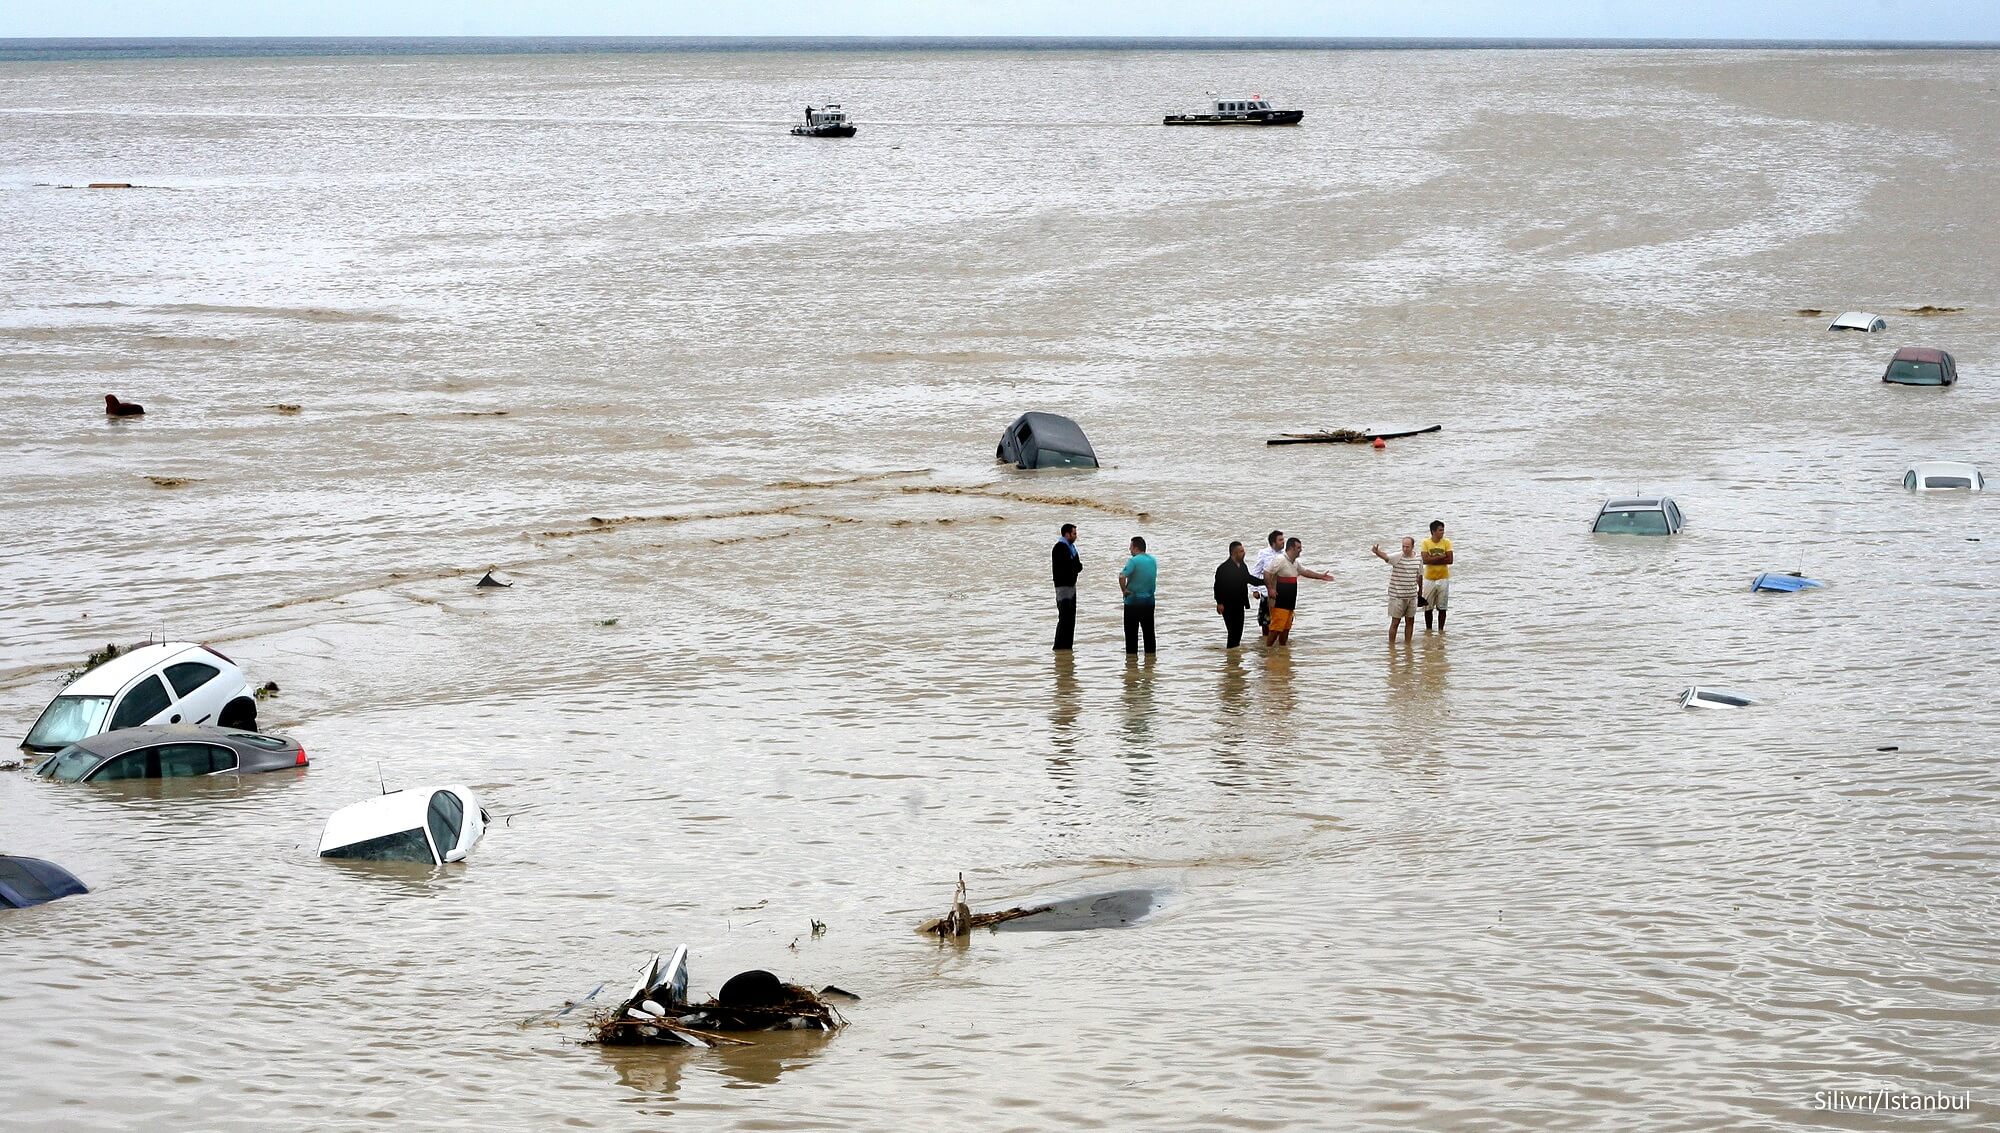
[961, 920]
[657, 1012]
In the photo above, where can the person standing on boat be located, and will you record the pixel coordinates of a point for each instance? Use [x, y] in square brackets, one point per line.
[1405, 580]
[1437, 576]
[1274, 548]
[1232, 593]
[1282, 579]
[1064, 565]
[1137, 581]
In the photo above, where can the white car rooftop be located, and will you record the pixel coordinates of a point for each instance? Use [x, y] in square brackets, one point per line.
[107, 679]
[433, 825]
[1943, 476]
[1865, 321]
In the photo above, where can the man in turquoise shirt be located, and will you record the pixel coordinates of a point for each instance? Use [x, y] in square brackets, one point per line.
[1136, 581]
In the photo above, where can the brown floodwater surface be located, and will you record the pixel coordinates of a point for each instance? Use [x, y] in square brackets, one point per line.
[721, 403]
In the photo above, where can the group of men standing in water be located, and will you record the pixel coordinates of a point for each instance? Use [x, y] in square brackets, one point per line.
[1417, 581]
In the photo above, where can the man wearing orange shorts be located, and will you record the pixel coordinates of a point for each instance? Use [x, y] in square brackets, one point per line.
[1282, 577]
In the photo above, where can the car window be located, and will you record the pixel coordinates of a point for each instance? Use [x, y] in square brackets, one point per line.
[183, 760]
[1631, 523]
[1947, 482]
[146, 700]
[1910, 480]
[189, 676]
[67, 765]
[446, 815]
[131, 765]
[66, 720]
[402, 846]
[1916, 373]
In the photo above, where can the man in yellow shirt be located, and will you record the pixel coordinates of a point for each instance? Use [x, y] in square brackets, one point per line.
[1437, 575]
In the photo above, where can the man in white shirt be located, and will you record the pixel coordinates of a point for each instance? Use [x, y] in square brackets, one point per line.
[1274, 549]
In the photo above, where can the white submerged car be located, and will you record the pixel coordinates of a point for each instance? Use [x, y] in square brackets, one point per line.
[176, 682]
[1943, 476]
[432, 825]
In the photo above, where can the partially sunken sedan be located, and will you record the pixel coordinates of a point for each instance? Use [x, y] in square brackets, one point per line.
[171, 751]
[432, 825]
[1921, 366]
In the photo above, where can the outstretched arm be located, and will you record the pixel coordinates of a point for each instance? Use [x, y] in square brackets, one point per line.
[1377, 551]
[1304, 573]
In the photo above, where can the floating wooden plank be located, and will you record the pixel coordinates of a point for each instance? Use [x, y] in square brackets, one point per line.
[1359, 436]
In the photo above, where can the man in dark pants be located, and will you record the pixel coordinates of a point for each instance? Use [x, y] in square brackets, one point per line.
[1137, 581]
[1064, 565]
[1232, 592]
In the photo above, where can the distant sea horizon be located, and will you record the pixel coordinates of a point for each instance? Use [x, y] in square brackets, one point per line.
[15, 50]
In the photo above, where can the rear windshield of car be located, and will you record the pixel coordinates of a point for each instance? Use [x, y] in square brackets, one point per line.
[1723, 698]
[402, 846]
[22, 880]
[66, 720]
[1947, 482]
[1631, 523]
[1053, 458]
[1916, 373]
[68, 765]
[255, 739]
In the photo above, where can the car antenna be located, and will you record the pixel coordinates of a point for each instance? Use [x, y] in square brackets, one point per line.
[379, 777]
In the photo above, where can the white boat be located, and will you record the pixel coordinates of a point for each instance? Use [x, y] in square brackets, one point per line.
[829, 121]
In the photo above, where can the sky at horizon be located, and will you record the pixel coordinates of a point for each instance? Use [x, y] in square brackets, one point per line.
[1943, 20]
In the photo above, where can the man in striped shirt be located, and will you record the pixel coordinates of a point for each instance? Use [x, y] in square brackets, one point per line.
[1405, 578]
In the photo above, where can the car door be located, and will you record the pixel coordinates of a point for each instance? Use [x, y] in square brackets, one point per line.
[199, 691]
[144, 702]
[180, 761]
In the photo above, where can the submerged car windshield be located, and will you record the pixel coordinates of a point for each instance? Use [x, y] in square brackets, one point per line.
[1947, 482]
[66, 720]
[402, 846]
[1631, 523]
[68, 765]
[1916, 373]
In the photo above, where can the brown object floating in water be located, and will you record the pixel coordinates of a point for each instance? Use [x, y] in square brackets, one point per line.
[1809, 312]
[170, 481]
[1349, 436]
[109, 185]
[284, 407]
[116, 408]
[962, 920]
[1927, 310]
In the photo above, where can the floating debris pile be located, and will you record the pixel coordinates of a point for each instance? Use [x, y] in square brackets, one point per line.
[657, 1012]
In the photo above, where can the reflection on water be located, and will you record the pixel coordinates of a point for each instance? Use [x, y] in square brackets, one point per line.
[762, 1060]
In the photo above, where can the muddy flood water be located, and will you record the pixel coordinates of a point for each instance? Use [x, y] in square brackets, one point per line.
[722, 404]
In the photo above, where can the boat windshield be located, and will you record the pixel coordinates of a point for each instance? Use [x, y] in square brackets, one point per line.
[1631, 523]
[1915, 373]
[66, 720]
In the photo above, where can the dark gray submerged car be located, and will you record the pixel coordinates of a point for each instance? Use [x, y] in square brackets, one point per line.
[170, 751]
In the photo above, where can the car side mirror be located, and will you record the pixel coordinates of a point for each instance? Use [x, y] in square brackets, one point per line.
[453, 855]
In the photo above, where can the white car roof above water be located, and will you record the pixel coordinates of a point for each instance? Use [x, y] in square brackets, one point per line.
[1859, 320]
[1929, 468]
[115, 674]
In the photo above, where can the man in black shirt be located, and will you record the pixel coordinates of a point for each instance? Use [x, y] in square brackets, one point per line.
[1064, 565]
[1232, 593]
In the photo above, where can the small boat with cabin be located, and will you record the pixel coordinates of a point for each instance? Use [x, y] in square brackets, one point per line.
[828, 121]
[1253, 111]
